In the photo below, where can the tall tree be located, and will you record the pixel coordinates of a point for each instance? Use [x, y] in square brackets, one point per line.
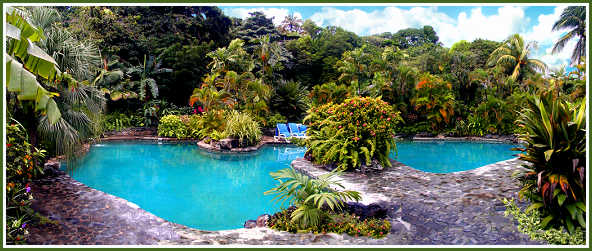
[574, 19]
[291, 24]
[513, 57]
[415, 37]
[255, 26]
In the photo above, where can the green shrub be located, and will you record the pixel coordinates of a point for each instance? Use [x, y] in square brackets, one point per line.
[290, 99]
[555, 148]
[529, 222]
[192, 125]
[418, 127]
[334, 223]
[172, 126]
[352, 133]
[119, 121]
[329, 93]
[23, 163]
[211, 124]
[472, 126]
[242, 127]
[434, 101]
[275, 119]
[311, 197]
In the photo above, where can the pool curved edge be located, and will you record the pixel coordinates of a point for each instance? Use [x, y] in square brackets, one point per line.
[479, 170]
[118, 214]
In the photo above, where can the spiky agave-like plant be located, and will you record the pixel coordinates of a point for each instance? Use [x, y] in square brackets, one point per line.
[555, 146]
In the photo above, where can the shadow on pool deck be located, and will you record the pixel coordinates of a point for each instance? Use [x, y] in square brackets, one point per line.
[426, 208]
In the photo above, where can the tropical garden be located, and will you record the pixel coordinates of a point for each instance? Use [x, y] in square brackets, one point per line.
[77, 73]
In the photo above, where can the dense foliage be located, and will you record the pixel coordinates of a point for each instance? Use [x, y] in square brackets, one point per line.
[23, 163]
[335, 223]
[555, 148]
[530, 223]
[172, 126]
[353, 133]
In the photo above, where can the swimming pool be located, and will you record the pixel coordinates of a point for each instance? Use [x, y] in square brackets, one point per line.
[218, 191]
[451, 156]
[184, 184]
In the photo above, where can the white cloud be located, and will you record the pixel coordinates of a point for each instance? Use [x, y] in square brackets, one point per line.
[543, 34]
[466, 26]
[469, 26]
[555, 61]
[278, 14]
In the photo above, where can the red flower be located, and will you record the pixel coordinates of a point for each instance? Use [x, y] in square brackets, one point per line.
[8, 145]
[199, 109]
[364, 125]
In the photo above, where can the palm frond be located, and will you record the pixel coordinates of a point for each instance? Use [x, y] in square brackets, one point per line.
[560, 44]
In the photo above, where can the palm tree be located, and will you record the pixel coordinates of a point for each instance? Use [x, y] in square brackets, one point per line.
[574, 18]
[79, 58]
[512, 56]
[291, 24]
[210, 98]
[406, 78]
[310, 195]
[145, 74]
[79, 101]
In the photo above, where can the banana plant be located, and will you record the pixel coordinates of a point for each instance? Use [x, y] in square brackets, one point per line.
[26, 62]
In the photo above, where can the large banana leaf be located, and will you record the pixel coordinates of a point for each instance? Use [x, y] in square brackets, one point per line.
[34, 58]
[19, 80]
[22, 77]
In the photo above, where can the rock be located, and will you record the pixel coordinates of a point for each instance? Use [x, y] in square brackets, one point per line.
[424, 134]
[374, 210]
[235, 143]
[262, 220]
[308, 156]
[226, 144]
[51, 168]
[250, 224]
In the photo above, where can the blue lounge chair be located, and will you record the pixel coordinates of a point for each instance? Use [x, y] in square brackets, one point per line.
[302, 129]
[281, 131]
[294, 131]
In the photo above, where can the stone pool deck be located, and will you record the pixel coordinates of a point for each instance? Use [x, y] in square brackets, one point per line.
[462, 208]
[425, 208]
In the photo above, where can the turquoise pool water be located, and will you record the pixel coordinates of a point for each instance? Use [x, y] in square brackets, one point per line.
[213, 191]
[451, 156]
[186, 185]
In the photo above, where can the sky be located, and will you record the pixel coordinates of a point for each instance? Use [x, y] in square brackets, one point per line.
[451, 23]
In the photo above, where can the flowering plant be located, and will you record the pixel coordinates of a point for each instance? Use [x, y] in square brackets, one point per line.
[352, 133]
[23, 163]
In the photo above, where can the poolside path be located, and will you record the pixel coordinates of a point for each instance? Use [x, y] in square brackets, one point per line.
[431, 208]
